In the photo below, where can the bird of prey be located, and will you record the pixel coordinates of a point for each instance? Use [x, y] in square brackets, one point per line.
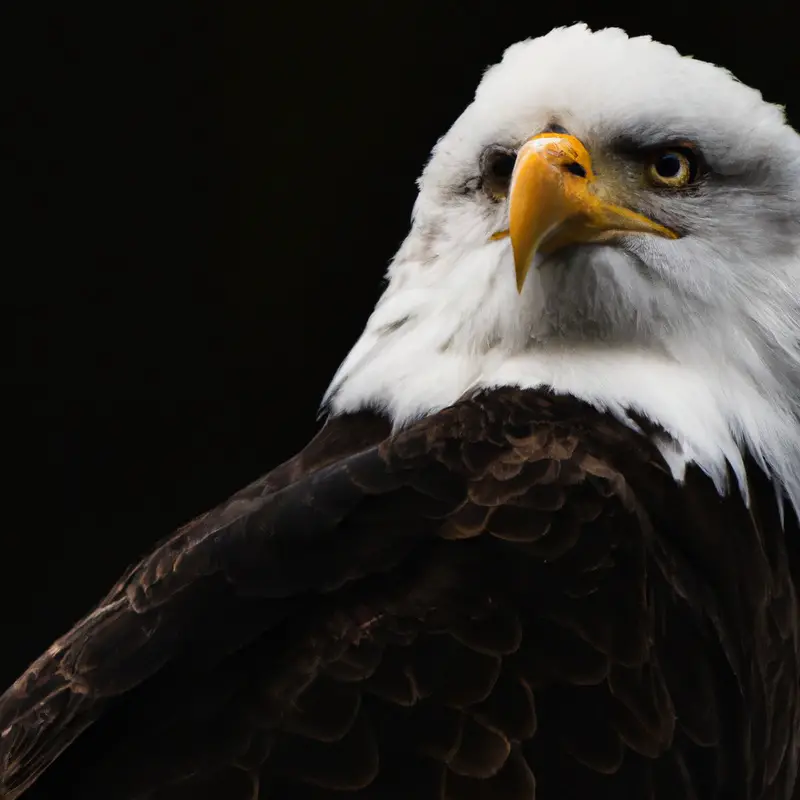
[546, 544]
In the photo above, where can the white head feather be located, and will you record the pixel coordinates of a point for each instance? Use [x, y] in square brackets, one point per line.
[699, 334]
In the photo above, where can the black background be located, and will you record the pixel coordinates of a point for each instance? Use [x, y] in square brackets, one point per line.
[205, 200]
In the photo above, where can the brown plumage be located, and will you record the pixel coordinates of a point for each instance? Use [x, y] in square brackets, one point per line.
[512, 599]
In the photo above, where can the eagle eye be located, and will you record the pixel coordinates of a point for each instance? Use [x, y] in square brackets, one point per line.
[671, 168]
[497, 166]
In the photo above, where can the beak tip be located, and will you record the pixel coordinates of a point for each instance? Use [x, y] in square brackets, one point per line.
[521, 272]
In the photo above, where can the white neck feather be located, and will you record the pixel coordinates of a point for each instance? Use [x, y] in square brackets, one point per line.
[424, 348]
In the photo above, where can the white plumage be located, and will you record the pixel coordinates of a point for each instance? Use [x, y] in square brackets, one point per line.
[699, 334]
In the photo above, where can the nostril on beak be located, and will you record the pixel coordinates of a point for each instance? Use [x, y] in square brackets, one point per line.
[554, 127]
[576, 169]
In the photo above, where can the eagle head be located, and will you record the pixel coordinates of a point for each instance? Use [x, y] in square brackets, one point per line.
[615, 221]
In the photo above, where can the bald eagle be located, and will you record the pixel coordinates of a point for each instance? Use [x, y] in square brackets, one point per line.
[546, 544]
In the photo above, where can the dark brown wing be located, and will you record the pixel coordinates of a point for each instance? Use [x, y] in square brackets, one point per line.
[510, 600]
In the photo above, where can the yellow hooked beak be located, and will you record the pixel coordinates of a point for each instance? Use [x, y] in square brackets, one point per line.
[552, 202]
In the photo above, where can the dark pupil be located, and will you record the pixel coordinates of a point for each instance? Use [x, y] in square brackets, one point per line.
[503, 166]
[668, 166]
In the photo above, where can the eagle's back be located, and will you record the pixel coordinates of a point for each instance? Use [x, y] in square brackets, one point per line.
[511, 599]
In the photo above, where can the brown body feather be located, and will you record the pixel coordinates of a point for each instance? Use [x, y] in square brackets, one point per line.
[510, 600]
